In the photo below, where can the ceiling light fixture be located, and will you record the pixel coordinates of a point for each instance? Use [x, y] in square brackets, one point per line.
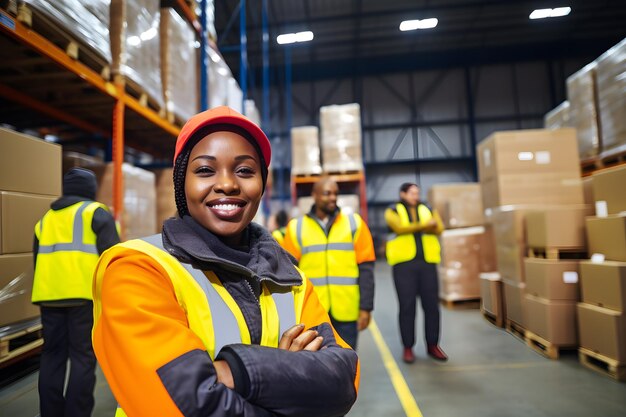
[418, 24]
[544, 13]
[294, 37]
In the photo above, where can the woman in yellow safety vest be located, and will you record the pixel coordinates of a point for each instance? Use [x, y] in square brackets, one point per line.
[211, 317]
[413, 252]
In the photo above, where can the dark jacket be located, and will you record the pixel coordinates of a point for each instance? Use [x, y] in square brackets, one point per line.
[282, 382]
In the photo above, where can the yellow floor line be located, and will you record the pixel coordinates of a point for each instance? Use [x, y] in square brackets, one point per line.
[399, 383]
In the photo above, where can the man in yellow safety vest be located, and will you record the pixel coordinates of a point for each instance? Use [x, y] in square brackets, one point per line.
[336, 252]
[68, 242]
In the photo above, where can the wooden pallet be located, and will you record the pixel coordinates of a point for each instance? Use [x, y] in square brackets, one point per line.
[497, 321]
[607, 159]
[19, 343]
[143, 97]
[516, 330]
[465, 304]
[544, 347]
[602, 364]
[557, 253]
[64, 39]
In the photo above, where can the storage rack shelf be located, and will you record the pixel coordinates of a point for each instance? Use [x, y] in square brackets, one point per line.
[74, 101]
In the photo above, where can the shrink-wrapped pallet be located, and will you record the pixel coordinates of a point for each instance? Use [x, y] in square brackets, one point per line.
[557, 117]
[341, 138]
[583, 110]
[135, 55]
[179, 65]
[305, 151]
[86, 20]
[611, 77]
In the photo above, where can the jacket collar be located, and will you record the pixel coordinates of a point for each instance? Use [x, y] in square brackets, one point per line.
[263, 260]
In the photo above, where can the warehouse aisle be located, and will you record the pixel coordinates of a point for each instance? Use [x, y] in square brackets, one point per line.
[490, 373]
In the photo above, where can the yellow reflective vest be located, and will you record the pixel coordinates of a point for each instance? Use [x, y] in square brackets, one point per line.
[330, 263]
[67, 254]
[402, 248]
[212, 313]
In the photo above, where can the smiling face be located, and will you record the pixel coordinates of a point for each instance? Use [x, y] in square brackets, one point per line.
[325, 194]
[223, 184]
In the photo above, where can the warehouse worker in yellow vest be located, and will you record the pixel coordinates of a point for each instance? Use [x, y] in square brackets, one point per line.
[336, 252]
[68, 242]
[280, 219]
[211, 317]
[413, 252]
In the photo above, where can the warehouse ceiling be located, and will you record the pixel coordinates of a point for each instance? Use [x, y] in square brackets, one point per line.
[363, 36]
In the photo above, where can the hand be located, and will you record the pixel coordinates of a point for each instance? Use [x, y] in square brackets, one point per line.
[224, 374]
[363, 320]
[430, 227]
[296, 339]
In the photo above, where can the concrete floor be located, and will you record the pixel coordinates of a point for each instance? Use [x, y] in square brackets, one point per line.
[490, 373]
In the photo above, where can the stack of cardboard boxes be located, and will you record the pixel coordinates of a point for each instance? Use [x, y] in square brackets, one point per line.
[522, 171]
[30, 180]
[556, 242]
[140, 202]
[340, 127]
[305, 151]
[596, 105]
[602, 312]
[467, 245]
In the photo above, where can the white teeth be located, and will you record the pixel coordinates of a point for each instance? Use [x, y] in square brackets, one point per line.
[225, 206]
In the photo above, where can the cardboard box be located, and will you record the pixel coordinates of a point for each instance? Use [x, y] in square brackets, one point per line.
[532, 188]
[492, 293]
[602, 331]
[510, 261]
[79, 160]
[305, 151]
[16, 286]
[608, 189]
[515, 302]
[19, 213]
[458, 284]
[607, 235]
[554, 321]
[459, 204]
[552, 279]
[469, 248]
[557, 228]
[604, 284]
[165, 201]
[20, 153]
[588, 193]
[534, 151]
[139, 215]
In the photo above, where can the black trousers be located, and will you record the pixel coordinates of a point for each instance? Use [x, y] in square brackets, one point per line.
[67, 335]
[412, 279]
[347, 330]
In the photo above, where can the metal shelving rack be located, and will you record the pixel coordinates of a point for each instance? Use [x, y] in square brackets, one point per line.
[103, 109]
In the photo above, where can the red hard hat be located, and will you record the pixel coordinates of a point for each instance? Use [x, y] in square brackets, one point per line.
[223, 115]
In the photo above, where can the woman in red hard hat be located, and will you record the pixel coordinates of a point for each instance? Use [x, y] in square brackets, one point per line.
[210, 317]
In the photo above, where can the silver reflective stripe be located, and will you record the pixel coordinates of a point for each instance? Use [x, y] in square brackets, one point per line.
[77, 239]
[225, 326]
[330, 246]
[352, 221]
[285, 305]
[334, 280]
[299, 232]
